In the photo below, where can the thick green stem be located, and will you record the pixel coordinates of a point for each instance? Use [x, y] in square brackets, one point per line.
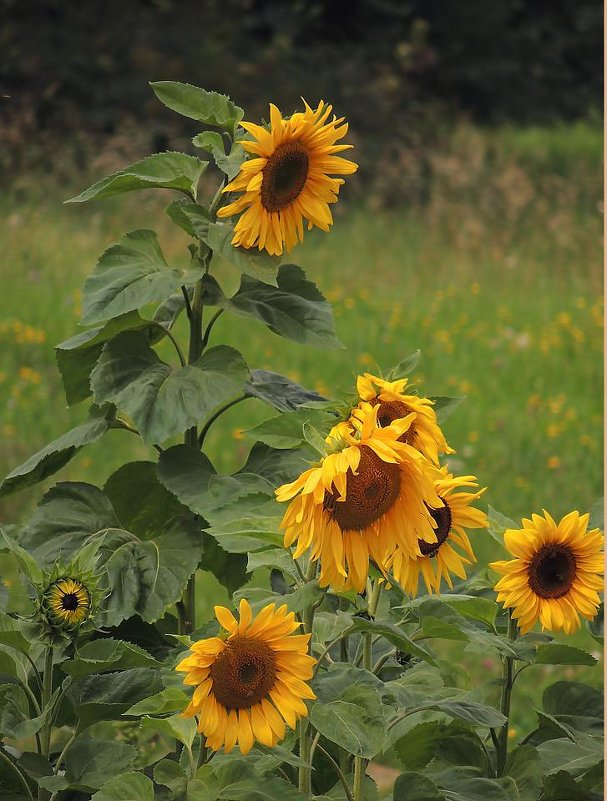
[305, 771]
[18, 774]
[360, 764]
[46, 731]
[507, 682]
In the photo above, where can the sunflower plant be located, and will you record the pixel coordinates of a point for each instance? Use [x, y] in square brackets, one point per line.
[351, 509]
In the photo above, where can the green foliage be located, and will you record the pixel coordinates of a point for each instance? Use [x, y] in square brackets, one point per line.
[210, 108]
[161, 171]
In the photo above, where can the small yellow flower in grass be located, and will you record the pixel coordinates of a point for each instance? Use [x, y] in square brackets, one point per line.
[288, 179]
[553, 462]
[441, 558]
[556, 573]
[424, 433]
[368, 497]
[248, 684]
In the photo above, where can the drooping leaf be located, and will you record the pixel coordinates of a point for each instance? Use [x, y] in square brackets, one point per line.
[159, 171]
[58, 453]
[412, 786]
[161, 400]
[573, 698]
[561, 786]
[278, 391]
[294, 308]
[29, 566]
[77, 356]
[254, 262]
[67, 515]
[278, 466]
[15, 718]
[286, 430]
[104, 655]
[175, 726]
[191, 217]
[454, 742]
[210, 108]
[394, 635]
[13, 633]
[108, 696]
[355, 721]
[229, 163]
[129, 275]
[525, 767]
[573, 757]
[126, 787]
[172, 699]
[186, 472]
[89, 761]
[558, 654]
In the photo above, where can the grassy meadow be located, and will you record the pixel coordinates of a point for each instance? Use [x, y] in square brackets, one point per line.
[496, 279]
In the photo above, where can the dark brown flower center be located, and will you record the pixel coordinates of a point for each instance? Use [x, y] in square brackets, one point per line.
[389, 411]
[284, 176]
[243, 673]
[552, 571]
[370, 493]
[70, 602]
[443, 519]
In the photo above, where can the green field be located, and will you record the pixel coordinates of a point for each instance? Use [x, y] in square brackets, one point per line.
[496, 279]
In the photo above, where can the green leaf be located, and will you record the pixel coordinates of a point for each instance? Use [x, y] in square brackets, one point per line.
[597, 514]
[176, 727]
[15, 719]
[551, 728]
[129, 275]
[445, 406]
[394, 635]
[596, 626]
[210, 108]
[126, 787]
[89, 761]
[229, 163]
[13, 634]
[286, 430]
[158, 171]
[170, 774]
[498, 523]
[561, 786]
[478, 789]
[239, 780]
[278, 466]
[574, 758]
[99, 656]
[557, 654]
[26, 561]
[469, 711]
[58, 453]
[443, 622]
[186, 472]
[68, 514]
[294, 309]
[251, 261]
[416, 787]
[173, 699]
[278, 391]
[191, 217]
[77, 356]
[163, 401]
[355, 722]
[404, 367]
[272, 557]
[573, 698]
[454, 742]
[525, 767]
[148, 577]
[473, 607]
[168, 311]
[108, 696]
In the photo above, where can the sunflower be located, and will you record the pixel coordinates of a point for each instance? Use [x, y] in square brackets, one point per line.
[288, 178]
[452, 517]
[67, 603]
[250, 683]
[424, 433]
[555, 575]
[370, 496]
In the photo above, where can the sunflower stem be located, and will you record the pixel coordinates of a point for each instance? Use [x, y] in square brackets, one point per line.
[508, 681]
[360, 764]
[305, 744]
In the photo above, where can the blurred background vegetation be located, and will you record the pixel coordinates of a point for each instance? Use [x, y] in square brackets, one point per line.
[472, 230]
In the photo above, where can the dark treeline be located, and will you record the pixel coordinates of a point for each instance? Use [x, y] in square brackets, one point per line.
[398, 69]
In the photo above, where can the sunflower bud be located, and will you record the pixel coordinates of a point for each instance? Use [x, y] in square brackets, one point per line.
[67, 599]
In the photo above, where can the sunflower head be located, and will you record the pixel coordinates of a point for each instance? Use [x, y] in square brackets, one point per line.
[250, 681]
[451, 551]
[68, 599]
[556, 574]
[288, 179]
[424, 433]
[368, 497]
